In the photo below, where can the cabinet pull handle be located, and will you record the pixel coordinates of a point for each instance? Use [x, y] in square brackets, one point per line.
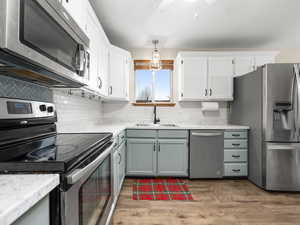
[210, 92]
[120, 158]
[206, 92]
[235, 144]
[159, 147]
[154, 148]
[236, 156]
[236, 171]
[236, 135]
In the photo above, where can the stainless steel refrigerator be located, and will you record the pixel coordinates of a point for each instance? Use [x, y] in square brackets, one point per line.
[268, 100]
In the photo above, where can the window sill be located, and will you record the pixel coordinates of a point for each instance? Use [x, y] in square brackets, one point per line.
[161, 104]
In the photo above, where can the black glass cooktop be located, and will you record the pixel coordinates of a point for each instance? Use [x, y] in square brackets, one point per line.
[57, 153]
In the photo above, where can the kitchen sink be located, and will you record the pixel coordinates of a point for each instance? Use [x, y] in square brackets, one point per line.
[156, 125]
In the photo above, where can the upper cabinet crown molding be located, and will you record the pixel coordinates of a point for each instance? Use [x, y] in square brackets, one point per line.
[208, 75]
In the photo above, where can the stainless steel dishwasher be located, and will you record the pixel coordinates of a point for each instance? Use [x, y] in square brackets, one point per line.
[206, 154]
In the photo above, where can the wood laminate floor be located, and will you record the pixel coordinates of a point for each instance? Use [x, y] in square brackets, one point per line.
[216, 202]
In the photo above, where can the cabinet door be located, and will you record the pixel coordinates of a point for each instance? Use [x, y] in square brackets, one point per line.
[77, 9]
[122, 164]
[102, 78]
[220, 78]
[243, 65]
[264, 59]
[93, 34]
[117, 74]
[127, 75]
[141, 157]
[116, 161]
[193, 78]
[172, 158]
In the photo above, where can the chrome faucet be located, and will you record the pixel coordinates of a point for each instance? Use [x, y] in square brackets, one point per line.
[156, 120]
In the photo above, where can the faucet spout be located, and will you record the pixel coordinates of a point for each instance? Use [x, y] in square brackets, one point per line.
[155, 118]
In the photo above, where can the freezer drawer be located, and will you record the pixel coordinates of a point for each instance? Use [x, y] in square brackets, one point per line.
[206, 154]
[283, 167]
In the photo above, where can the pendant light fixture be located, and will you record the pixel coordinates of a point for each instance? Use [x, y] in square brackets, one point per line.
[155, 63]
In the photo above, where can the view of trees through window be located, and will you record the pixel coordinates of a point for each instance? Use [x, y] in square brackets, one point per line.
[153, 85]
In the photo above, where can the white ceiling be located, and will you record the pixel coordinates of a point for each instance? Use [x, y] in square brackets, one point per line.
[189, 25]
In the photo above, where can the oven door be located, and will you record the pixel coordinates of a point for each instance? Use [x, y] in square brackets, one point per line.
[42, 32]
[89, 200]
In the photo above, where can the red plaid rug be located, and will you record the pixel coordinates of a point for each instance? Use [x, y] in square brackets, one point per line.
[160, 189]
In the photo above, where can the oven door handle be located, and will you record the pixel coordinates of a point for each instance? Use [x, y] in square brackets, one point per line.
[77, 174]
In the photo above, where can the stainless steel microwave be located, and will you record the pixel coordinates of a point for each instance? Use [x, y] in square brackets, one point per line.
[41, 42]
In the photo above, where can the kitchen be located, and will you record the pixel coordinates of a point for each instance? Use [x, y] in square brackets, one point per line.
[178, 112]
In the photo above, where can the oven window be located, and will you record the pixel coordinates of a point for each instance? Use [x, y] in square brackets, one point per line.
[95, 193]
[42, 33]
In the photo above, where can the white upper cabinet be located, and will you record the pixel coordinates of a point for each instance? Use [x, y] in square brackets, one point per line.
[76, 8]
[119, 61]
[246, 62]
[193, 82]
[243, 65]
[208, 76]
[205, 77]
[220, 78]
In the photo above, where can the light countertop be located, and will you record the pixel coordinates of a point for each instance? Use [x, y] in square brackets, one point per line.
[19, 193]
[116, 128]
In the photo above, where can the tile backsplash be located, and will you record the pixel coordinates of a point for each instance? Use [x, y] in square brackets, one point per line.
[184, 113]
[75, 111]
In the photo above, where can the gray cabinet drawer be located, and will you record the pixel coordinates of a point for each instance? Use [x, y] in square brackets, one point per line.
[122, 137]
[235, 169]
[236, 144]
[141, 133]
[172, 134]
[235, 135]
[235, 155]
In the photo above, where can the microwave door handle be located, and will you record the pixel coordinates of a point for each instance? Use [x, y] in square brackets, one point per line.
[77, 174]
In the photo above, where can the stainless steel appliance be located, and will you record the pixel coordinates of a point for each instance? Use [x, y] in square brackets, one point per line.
[268, 101]
[29, 144]
[206, 154]
[40, 42]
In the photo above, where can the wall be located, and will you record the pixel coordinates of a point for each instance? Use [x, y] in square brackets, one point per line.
[75, 111]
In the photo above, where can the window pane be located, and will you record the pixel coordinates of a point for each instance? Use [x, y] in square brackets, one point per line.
[163, 85]
[143, 83]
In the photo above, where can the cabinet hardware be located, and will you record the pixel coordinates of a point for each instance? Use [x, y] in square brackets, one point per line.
[236, 135]
[210, 92]
[236, 156]
[110, 90]
[205, 92]
[159, 147]
[181, 94]
[235, 144]
[181, 61]
[154, 148]
[236, 171]
[99, 82]
[120, 156]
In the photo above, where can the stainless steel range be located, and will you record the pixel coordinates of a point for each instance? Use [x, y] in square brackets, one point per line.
[29, 144]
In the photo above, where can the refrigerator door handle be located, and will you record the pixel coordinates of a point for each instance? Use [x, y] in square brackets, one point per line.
[297, 117]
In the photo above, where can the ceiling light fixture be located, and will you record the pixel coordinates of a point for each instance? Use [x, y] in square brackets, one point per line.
[155, 63]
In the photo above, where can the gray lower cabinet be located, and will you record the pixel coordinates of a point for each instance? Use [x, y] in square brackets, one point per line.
[172, 158]
[141, 157]
[119, 161]
[236, 153]
[37, 215]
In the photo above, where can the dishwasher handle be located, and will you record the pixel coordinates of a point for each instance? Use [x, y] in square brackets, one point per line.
[207, 134]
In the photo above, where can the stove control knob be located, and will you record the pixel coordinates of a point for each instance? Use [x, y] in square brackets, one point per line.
[50, 109]
[43, 108]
